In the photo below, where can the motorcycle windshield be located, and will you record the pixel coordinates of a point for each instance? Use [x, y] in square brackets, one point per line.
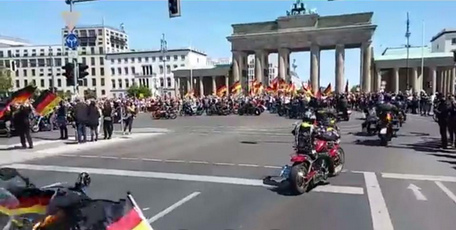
[7, 201]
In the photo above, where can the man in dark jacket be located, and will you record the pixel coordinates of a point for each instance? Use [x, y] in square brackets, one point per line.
[21, 122]
[442, 112]
[81, 111]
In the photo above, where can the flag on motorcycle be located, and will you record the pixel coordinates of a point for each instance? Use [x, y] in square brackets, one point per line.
[30, 201]
[327, 90]
[46, 102]
[222, 90]
[131, 218]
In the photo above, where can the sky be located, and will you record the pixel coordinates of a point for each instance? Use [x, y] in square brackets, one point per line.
[205, 24]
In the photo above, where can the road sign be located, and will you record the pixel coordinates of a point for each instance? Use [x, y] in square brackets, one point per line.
[71, 41]
[70, 18]
[73, 54]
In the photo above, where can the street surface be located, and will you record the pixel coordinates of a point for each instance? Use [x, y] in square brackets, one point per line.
[203, 172]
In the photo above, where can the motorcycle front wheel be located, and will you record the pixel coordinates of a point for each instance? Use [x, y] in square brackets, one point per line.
[297, 178]
[337, 163]
[172, 116]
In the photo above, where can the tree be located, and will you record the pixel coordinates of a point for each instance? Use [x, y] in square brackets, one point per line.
[89, 94]
[354, 88]
[135, 91]
[6, 82]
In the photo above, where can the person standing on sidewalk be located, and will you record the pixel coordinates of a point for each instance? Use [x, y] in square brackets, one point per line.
[22, 124]
[81, 111]
[130, 113]
[62, 120]
[93, 120]
[107, 120]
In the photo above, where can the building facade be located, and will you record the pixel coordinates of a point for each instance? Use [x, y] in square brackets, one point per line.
[271, 74]
[429, 68]
[152, 69]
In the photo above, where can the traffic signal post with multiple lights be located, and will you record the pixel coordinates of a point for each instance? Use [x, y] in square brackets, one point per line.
[75, 76]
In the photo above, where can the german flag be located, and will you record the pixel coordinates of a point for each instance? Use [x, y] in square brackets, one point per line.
[46, 102]
[222, 90]
[328, 90]
[22, 95]
[236, 87]
[132, 218]
[30, 201]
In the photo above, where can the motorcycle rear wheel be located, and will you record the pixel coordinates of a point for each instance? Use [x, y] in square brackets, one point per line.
[338, 165]
[297, 178]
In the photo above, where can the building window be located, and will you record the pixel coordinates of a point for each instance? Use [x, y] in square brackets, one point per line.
[17, 84]
[94, 82]
[102, 82]
[174, 66]
[93, 71]
[102, 71]
[85, 82]
[103, 92]
[161, 83]
[92, 61]
[127, 83]
[113, 71]
[161, 69]
[113, 82]
[168, 81]
[133, 70]
[175, 57]
[119, 70]
[132, 60]
[25, 72]
[33, 73]
[126, 70]
[59, 83]
[34, 82]
[168, 69]
[101, 60]
[453, 41]
[25, 82]
[120, 83]
[183, 57]
[84, 61]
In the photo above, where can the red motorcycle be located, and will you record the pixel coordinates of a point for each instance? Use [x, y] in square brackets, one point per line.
[309, 169]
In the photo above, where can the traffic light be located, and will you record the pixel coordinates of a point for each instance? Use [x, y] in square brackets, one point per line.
[174, 8]
[83, 71]
[69, 74]
[454, 56]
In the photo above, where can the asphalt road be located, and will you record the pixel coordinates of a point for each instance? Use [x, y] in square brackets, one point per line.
[205, 173]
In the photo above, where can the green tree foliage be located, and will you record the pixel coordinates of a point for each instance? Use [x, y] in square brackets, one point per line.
[136, 91]
[90, 94]
[354, 88]
[6, 82]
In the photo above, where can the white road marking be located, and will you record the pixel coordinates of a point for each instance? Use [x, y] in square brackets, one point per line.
[225, 164]
[129, 158]
[447, 191]
[417, 192]
[418, 177]
[108, 157]
[88, 156]
[174, 161]
[145, 209]
[172, 207]
[173, 176]
[152, 159]
[272, 167]
[198, 162]
[380, 216]
[339, 189]
[248, 165]
[68, 155]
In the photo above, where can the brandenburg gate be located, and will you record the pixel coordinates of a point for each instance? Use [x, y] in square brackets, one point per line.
[303, 30]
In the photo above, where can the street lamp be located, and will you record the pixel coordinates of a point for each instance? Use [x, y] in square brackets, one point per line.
[164, 49]
[51, 57]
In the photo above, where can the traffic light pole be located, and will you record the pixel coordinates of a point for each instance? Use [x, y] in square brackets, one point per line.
[74, 60]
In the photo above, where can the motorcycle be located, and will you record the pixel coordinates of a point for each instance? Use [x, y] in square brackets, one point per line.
[249, 110]
[341, 116]
[307, 170]
[12, 182]
[385, 132]
[164, 114]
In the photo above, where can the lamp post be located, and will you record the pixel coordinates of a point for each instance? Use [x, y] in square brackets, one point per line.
[164, 49]
[51, 57]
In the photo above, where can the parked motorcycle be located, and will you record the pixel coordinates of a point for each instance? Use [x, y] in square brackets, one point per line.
[164, 114]
[249, 110]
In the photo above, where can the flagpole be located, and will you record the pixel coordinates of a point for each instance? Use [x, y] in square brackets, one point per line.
[422, 53]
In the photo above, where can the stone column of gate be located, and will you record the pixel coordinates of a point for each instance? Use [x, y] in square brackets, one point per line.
[177, 87]
[259, 64]
[237, 61]
[214, 84]
[433, 75]
[315, 67]
[340, 68]
[453, 78]
[378, 80]
[367, 59]
[414, 80]
[227, 84]
[201, 86]
[396, 80]
[284, 63]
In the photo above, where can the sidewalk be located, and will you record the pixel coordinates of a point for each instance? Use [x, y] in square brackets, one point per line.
[45, 148]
